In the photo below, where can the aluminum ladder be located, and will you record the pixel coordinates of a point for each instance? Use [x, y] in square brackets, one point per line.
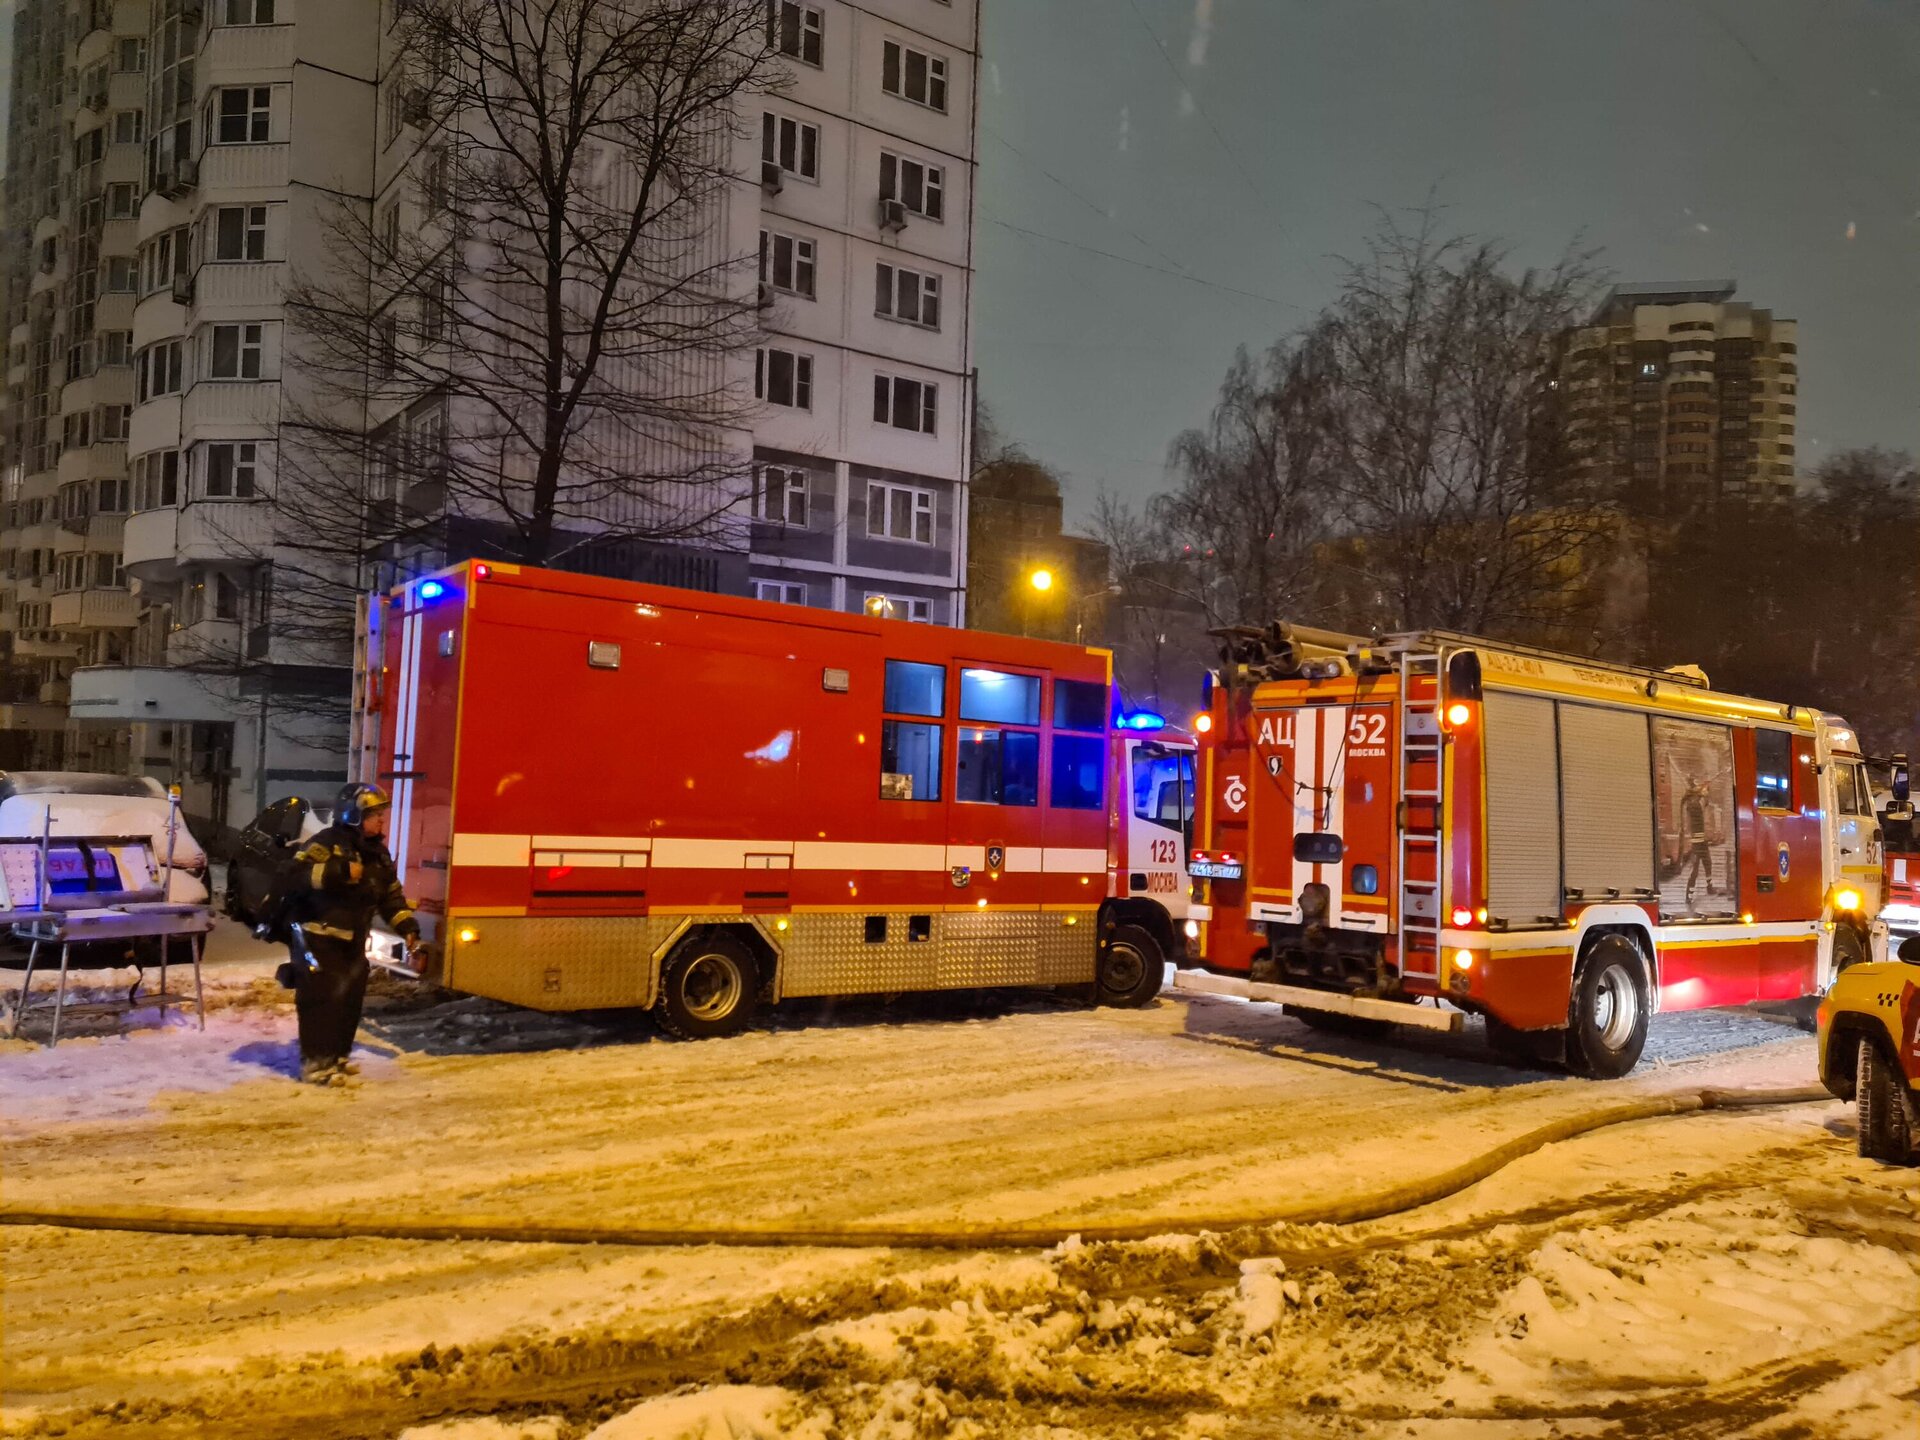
[1419, 769]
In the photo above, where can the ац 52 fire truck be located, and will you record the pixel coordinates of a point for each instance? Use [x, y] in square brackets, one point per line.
[610, 794]
[1558, 844]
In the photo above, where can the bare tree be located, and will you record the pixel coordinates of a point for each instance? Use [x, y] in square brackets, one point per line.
[530, 344]
[1459, 497]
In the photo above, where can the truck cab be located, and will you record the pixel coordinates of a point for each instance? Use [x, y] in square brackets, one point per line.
[1153, 830]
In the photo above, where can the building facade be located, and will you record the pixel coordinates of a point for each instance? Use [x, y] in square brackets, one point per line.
[170, 163]
[1682, 395]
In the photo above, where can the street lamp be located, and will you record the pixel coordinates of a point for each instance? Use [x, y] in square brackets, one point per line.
[1041, 580]
[879, 606]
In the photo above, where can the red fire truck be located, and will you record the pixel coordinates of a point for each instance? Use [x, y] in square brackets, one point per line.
[610, 794]
[1558, 844]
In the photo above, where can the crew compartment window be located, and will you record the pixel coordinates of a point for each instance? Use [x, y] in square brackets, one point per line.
[1163, 786]
[910, 748]
[1773, 769]
[1077, 778]
[1850, 784]
[998, 760]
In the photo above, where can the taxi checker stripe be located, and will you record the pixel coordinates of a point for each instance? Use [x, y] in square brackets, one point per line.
[674, 853]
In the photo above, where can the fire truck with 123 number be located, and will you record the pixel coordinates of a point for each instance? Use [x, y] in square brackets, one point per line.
[609, 794]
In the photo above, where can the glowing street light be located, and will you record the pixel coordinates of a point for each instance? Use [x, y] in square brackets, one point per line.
[1041, 580]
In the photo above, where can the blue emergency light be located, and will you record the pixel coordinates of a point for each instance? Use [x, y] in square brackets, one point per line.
[1142, 720]
[431, 589]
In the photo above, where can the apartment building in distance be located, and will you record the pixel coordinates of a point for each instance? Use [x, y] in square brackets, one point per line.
[1682, 395]
[169, 164]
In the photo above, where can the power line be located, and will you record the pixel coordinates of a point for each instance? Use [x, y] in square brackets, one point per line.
[1173, 69]
[1096, 209]
[1191, 279]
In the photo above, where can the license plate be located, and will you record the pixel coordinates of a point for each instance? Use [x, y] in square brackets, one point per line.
[1214, 870]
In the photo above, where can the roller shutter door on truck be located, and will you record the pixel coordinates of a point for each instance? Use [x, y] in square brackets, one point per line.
[1606, 784]
[1523, 810]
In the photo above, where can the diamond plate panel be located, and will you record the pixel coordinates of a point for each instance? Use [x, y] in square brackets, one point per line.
[830, 955]
[557, 962]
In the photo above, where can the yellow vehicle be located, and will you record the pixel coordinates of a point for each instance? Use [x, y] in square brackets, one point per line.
[1869, 1026]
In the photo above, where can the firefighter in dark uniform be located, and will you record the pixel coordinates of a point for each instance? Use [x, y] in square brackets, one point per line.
[1693, 824]
[334, 886]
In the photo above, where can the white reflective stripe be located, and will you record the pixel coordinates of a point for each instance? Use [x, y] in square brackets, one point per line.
[1068, 861]
[1286, 914]
[1303, 774]
[860, 855]
[707, 854]
[578, 859]
[592, 842]
[1027, 859]
[974, 857]
[489, 850]
[1662, 934]
[405, 730]
[1335, 742]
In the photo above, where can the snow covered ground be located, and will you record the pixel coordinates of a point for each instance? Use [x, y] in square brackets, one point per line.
[1733, 1274]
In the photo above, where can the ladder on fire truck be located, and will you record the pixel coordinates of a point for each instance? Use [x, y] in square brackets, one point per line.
[1419, 770]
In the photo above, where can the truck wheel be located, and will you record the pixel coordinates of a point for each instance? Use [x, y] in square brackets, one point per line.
[708, 987]
[1885, 1112]
[1132, 967]
[1607, 1019]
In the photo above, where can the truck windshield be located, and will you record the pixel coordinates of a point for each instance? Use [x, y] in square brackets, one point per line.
[1163, 787]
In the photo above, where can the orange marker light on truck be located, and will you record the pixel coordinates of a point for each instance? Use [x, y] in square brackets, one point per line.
[1202, 724]
[1463, 959]
[1458, 713]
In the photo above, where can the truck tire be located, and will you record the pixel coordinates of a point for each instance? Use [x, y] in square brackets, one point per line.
[1131, 968]
[708, 987]
[1885, 1111]
[1607, 1016]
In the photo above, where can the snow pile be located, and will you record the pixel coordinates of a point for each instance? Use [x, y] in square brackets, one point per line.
[544, 1428]
[726, 1412]
[1264, 1295]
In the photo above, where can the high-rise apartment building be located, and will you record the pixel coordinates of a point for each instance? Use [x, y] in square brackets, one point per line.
[170, 168]
[1680, 394]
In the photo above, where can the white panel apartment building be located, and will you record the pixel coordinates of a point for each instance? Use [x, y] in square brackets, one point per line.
[168, 162]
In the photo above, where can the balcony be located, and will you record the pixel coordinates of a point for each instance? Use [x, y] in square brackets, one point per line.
[254, 404]
[243, 167]
[244, 47]
[40, 647]
[210, 531]
[205, 642]
[92, 610]
[244, 286]
[147, 547]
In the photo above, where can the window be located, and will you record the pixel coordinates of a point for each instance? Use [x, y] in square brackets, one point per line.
[784, 592]
[795, 29]
[162, 258]
[123, 200]
[997, 767]
[1773, 769]
[1078, 780]
[157, 370]
[783, 377]
[156, 480]
[1079, 705]
[793, 145]
[899, 512]
[787, 263]
[111, 424]
[130, 55]
[910, 749]
[781, 496]
[1851, 790]
[230, 470]
[905, 404]
[436, 183]
[246, 12]
[913, 75]
[129, 127]
[907, 295]
[918, 186]
[123, 274]
[240, 232]
[916, 609]
[386, 346]
[1000, 696]
[243, 115]
[108, 572]
[1163, 787]
[235, 352]
[389, 226]
[436, 304]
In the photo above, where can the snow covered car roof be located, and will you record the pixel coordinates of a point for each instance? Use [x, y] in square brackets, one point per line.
[77, 782]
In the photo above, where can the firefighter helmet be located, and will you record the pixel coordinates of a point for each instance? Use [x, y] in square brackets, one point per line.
[355, 802]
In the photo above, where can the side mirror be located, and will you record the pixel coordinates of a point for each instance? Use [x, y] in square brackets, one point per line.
[1902, 790]
[1909, 952]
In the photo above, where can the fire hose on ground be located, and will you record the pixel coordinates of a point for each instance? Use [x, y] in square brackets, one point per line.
[1396, 1199]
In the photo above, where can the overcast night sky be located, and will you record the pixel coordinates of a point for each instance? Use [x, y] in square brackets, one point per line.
[1227, 150]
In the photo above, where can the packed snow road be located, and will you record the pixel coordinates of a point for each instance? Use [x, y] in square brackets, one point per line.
[1728, 1275]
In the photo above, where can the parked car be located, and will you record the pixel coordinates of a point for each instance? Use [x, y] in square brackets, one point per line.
[261, 851]
[85, 804]
[1869, 1027]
